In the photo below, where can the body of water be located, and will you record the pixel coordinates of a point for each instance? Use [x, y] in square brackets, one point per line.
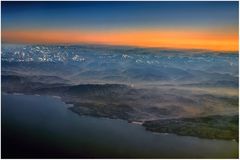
[43, 127]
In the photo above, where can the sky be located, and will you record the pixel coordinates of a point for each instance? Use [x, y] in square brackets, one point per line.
[186, 25]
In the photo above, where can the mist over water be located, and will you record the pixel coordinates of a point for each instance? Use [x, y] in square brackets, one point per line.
[179, 80]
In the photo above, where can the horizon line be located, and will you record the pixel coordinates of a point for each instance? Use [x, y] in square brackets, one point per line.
[128, 46]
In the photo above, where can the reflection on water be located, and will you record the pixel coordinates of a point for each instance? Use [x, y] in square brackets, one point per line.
[41, 126]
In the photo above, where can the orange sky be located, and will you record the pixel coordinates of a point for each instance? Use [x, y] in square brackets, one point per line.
[169, 38]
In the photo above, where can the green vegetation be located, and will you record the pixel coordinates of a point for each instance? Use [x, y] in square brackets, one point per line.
[114, 111]
[212, 127]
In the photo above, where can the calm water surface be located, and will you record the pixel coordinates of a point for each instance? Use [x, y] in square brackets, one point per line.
[43, 127]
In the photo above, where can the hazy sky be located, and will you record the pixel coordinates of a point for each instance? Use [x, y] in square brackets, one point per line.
[204, 25]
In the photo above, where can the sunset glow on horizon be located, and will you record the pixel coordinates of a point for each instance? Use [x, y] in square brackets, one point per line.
[169, 39]
[203, 26]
